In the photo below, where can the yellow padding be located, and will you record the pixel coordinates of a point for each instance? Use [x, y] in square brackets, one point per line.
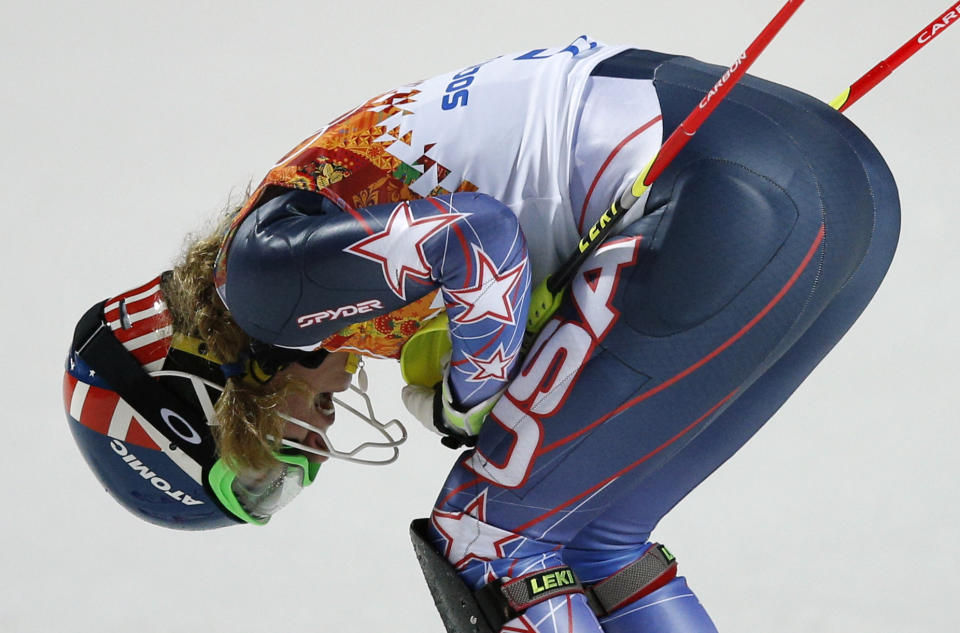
[253, 374]
[192, 345]
[421, 359]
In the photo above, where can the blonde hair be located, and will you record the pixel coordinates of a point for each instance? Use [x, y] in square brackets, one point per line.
[249, 427]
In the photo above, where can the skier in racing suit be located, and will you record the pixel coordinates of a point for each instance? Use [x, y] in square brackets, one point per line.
[727, 283]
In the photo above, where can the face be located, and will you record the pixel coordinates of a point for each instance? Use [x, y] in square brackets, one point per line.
[315, 408]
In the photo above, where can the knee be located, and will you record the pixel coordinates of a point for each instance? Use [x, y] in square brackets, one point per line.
[591, 565]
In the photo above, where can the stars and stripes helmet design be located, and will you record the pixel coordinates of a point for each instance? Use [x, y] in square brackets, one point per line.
[150, 447]
[140, 398]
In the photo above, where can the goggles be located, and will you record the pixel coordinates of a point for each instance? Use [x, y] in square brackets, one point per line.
[255, 496]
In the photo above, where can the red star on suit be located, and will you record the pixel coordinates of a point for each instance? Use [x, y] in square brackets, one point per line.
[489, 297]
[468, 537]
[399, 247]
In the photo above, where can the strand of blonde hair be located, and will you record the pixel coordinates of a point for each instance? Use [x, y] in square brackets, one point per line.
[249, 427]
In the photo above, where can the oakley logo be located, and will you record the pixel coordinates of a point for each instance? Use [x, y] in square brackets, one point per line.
[181, 425]
[157, 482]
[338, 313]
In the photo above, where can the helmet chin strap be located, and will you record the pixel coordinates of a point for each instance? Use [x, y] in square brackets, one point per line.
[393, 431]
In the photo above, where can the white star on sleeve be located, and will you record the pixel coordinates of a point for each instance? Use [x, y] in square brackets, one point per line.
[399, 247]
[489, 297]
[495, 366]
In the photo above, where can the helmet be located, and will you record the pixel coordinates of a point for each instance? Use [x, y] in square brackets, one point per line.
[140, 400]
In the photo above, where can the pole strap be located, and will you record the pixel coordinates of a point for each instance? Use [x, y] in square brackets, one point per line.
[503, 600]
[655, 568]
[487, 609]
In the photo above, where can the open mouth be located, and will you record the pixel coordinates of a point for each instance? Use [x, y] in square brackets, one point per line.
[324, 405]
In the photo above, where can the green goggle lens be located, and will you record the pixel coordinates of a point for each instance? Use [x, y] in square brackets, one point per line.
[255, 496]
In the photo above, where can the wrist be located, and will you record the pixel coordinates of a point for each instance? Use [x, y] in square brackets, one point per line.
[463, 422]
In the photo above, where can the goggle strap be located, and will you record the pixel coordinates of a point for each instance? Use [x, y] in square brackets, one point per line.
[221, 479]
[99, 348]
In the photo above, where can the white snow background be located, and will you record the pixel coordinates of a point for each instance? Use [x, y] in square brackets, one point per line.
[125, 124]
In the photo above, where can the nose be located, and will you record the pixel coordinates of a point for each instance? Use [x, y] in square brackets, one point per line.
[315, 441]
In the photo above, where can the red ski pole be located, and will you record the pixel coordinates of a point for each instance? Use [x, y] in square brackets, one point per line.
[690, 125]
[546, 297]
[879, 72]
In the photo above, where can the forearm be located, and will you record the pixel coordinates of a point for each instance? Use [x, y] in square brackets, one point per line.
[485, 278]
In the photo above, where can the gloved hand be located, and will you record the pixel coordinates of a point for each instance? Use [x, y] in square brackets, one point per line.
[434, 409]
